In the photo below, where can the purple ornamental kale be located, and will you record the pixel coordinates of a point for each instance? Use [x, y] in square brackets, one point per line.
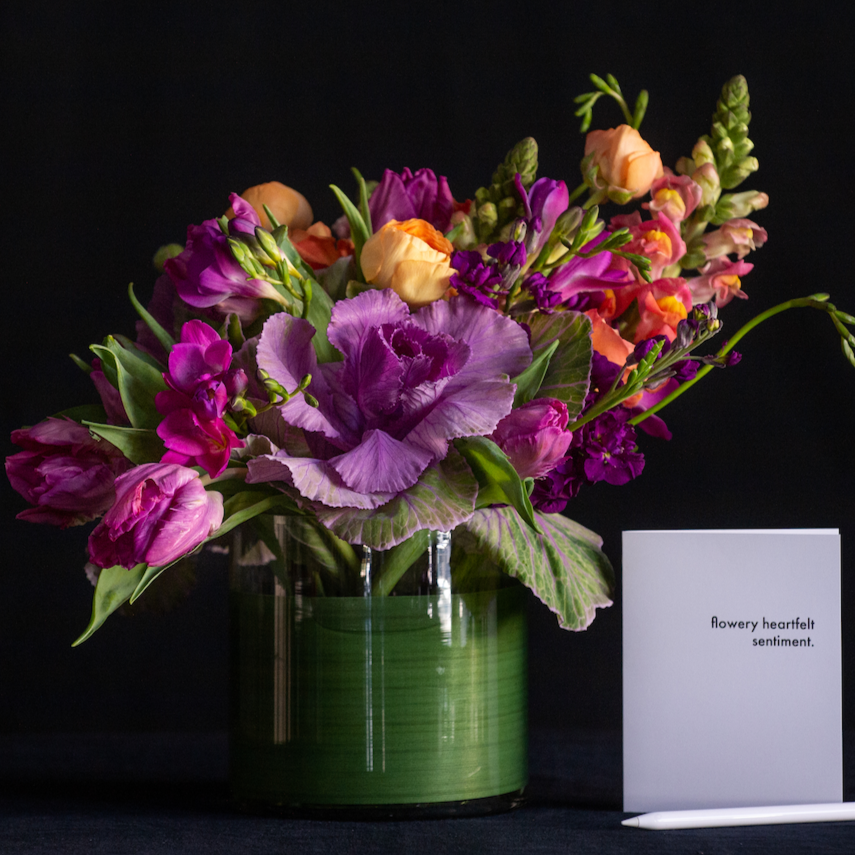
[408, 384]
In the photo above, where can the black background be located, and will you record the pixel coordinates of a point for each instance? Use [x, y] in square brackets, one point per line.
[120, 127]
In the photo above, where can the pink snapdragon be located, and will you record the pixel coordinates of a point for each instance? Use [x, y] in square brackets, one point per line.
[720, 279]
[738, 236]
[659, 240]
[675, 196]
[662, 305]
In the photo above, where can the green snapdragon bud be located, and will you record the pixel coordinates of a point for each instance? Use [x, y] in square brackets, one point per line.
[521, 158]
[487, 217]
[739, 205]
[165, 253]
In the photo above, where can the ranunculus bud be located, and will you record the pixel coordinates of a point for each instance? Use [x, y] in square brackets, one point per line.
[534, 436]
[162, 512]
[626, 163]
[64, 471]
[410, 257]
[288, 206]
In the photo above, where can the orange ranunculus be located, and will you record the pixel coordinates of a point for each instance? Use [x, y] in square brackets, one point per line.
[411, 258]
[317, 246]
[626, 162]
[288, 206]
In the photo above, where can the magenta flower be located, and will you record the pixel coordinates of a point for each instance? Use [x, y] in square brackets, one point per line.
[200, 382]
[161, 513]
[408, 385]
[544, 202]
[109, 394]
[534, 436]
[64, 471]
[206, 273]
[578, 276]
[420, 195]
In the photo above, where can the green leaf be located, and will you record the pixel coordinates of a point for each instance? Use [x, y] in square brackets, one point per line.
[138, 445]
[364, 210]
[359, 231]
[165, 339]
[115, 586]
[244, 506]
[564, 566]
[498, 481]
[568, 374]
[84, 413]
[150, 575]
[528, 383]
[443, 497]
[280, 235]
[320, 312]
[138, 382]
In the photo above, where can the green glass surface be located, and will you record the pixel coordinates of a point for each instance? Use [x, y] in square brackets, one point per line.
[378, 700]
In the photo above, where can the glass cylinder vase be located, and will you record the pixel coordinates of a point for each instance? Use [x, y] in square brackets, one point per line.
[374, 684]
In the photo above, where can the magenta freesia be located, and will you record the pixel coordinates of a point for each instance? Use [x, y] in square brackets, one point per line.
[534, 436]
[200, 384]
[161, 512]
[65, 472]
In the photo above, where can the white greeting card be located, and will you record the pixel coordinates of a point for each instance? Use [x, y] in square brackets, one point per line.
[731, 668]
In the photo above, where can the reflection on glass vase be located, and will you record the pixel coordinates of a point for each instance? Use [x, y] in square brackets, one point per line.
[374, 684]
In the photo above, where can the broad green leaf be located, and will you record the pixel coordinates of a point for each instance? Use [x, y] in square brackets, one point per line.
[397, 560]
[84, 413]
[132, 347]
[564, 566]
[138, 445]
[443, 497]
[568, 375]
[528, 383]
[115, 586]
[498, 481]
[138, 383]
[334, 278]
[165, 339]
[149, 576]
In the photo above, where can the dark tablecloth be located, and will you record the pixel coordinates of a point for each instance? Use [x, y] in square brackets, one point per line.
[165, 793]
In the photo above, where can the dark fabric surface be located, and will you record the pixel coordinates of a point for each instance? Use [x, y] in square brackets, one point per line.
[165, 793]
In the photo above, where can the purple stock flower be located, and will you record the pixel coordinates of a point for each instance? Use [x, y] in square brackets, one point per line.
[482, 282]
[510, 252]
[206, 274]
[601, 450]
[408, 385]
[65, 472]
[420, 195]
[200, 384]
[161, 513]
[534, 436]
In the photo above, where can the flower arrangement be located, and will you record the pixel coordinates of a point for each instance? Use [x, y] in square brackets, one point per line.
[425, 364]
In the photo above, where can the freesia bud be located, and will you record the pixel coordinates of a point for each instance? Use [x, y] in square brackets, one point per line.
[171, 250]
[268, 244]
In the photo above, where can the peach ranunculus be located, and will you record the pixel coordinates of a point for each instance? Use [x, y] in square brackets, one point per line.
[627, 165]
[410, 257]
[317, 246]
[288, 206]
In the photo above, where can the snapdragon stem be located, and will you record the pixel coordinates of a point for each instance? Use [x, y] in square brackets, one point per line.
[802, 302]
